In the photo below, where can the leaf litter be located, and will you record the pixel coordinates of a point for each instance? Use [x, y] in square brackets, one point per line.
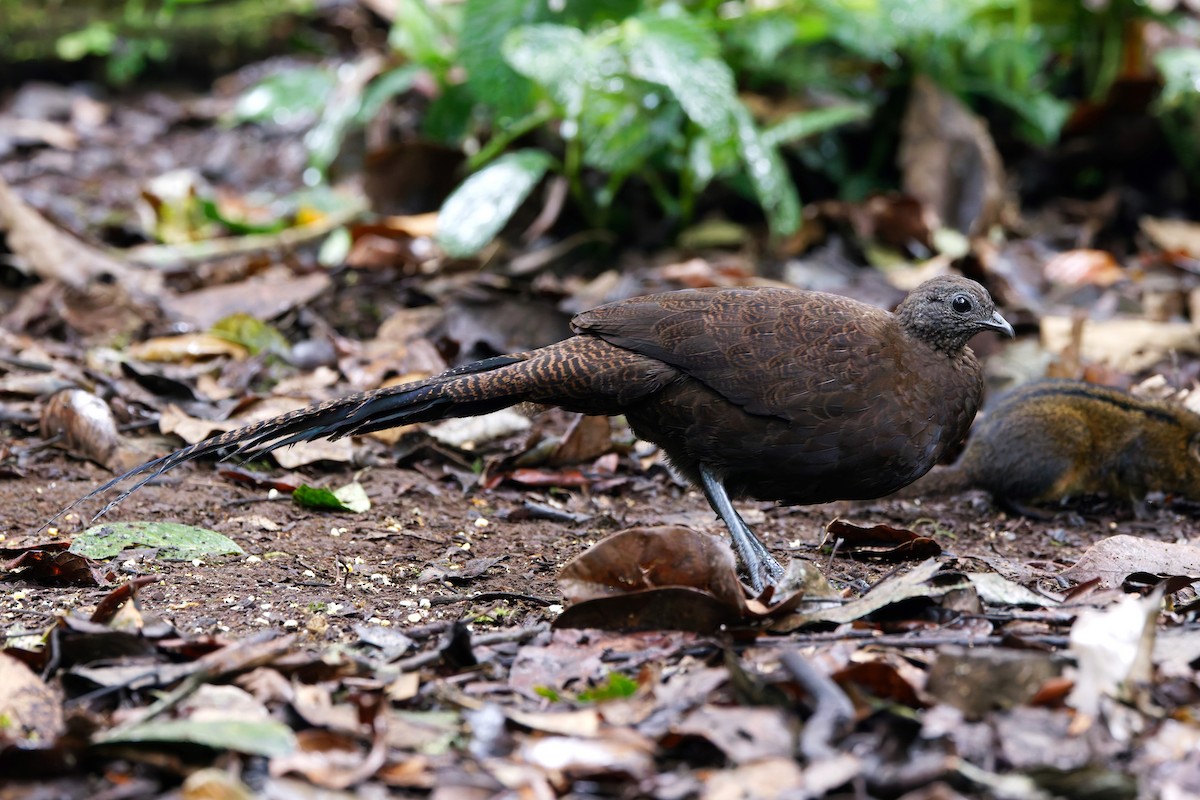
[479, 630]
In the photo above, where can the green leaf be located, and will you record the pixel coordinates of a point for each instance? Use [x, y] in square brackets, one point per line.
[618, 687]
[421, 35]
[256, 737]
[619, 135]
[679, 53]
[768, 176]
[174, 541]
[212, 211]
[477, 210]
[551, 55]
[287, 97]
[807, 123]
[548, 693]
[448, 118]
[388, 85]
[250, 332]
[317, 498]
[486, 24]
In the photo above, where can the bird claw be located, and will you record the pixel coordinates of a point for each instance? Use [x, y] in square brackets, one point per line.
[767, 572]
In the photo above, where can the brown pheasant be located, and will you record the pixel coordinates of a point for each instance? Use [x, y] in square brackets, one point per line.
[777, 394]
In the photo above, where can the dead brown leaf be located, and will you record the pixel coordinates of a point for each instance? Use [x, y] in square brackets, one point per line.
[31, 710]
[1113, 559]
[949, 161]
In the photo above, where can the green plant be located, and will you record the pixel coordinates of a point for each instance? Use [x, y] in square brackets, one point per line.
[656, 93]
[648, 95]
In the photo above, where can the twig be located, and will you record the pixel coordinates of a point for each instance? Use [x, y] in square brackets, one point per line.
[833, 713]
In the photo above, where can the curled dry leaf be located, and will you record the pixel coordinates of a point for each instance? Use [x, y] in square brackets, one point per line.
[85, 424]
[671, 577]
[882, 542]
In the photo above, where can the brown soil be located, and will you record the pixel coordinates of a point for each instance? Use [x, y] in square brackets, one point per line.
[322, 573]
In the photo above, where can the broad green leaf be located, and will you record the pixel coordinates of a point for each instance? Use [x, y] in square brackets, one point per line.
[476, 211]
[551, 56]
[768, 175]
[421, 35]
[806, 123]
[174, 541]
[620, 133]
[286, 97]
[486, 23]
[256, 737]
[448, 118]
[677, 52]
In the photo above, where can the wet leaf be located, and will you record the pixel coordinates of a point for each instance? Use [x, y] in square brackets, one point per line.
[174, 541]
[477, 210]
[809, 123]
[551, 55]
[768, 176]
[288, 98]
[675, 50]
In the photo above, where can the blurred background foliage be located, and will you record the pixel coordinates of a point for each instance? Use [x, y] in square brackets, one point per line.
[664, 109]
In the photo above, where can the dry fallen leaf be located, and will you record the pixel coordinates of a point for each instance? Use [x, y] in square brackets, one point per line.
[85, 424]
[31, 710]
[1084, 267]
[949, 161]
[1126, 345]
[1111, 560]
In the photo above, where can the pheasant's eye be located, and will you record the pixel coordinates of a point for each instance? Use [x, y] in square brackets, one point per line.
[961, 304]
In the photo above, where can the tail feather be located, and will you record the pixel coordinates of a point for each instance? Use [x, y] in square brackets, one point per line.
[352, 415]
